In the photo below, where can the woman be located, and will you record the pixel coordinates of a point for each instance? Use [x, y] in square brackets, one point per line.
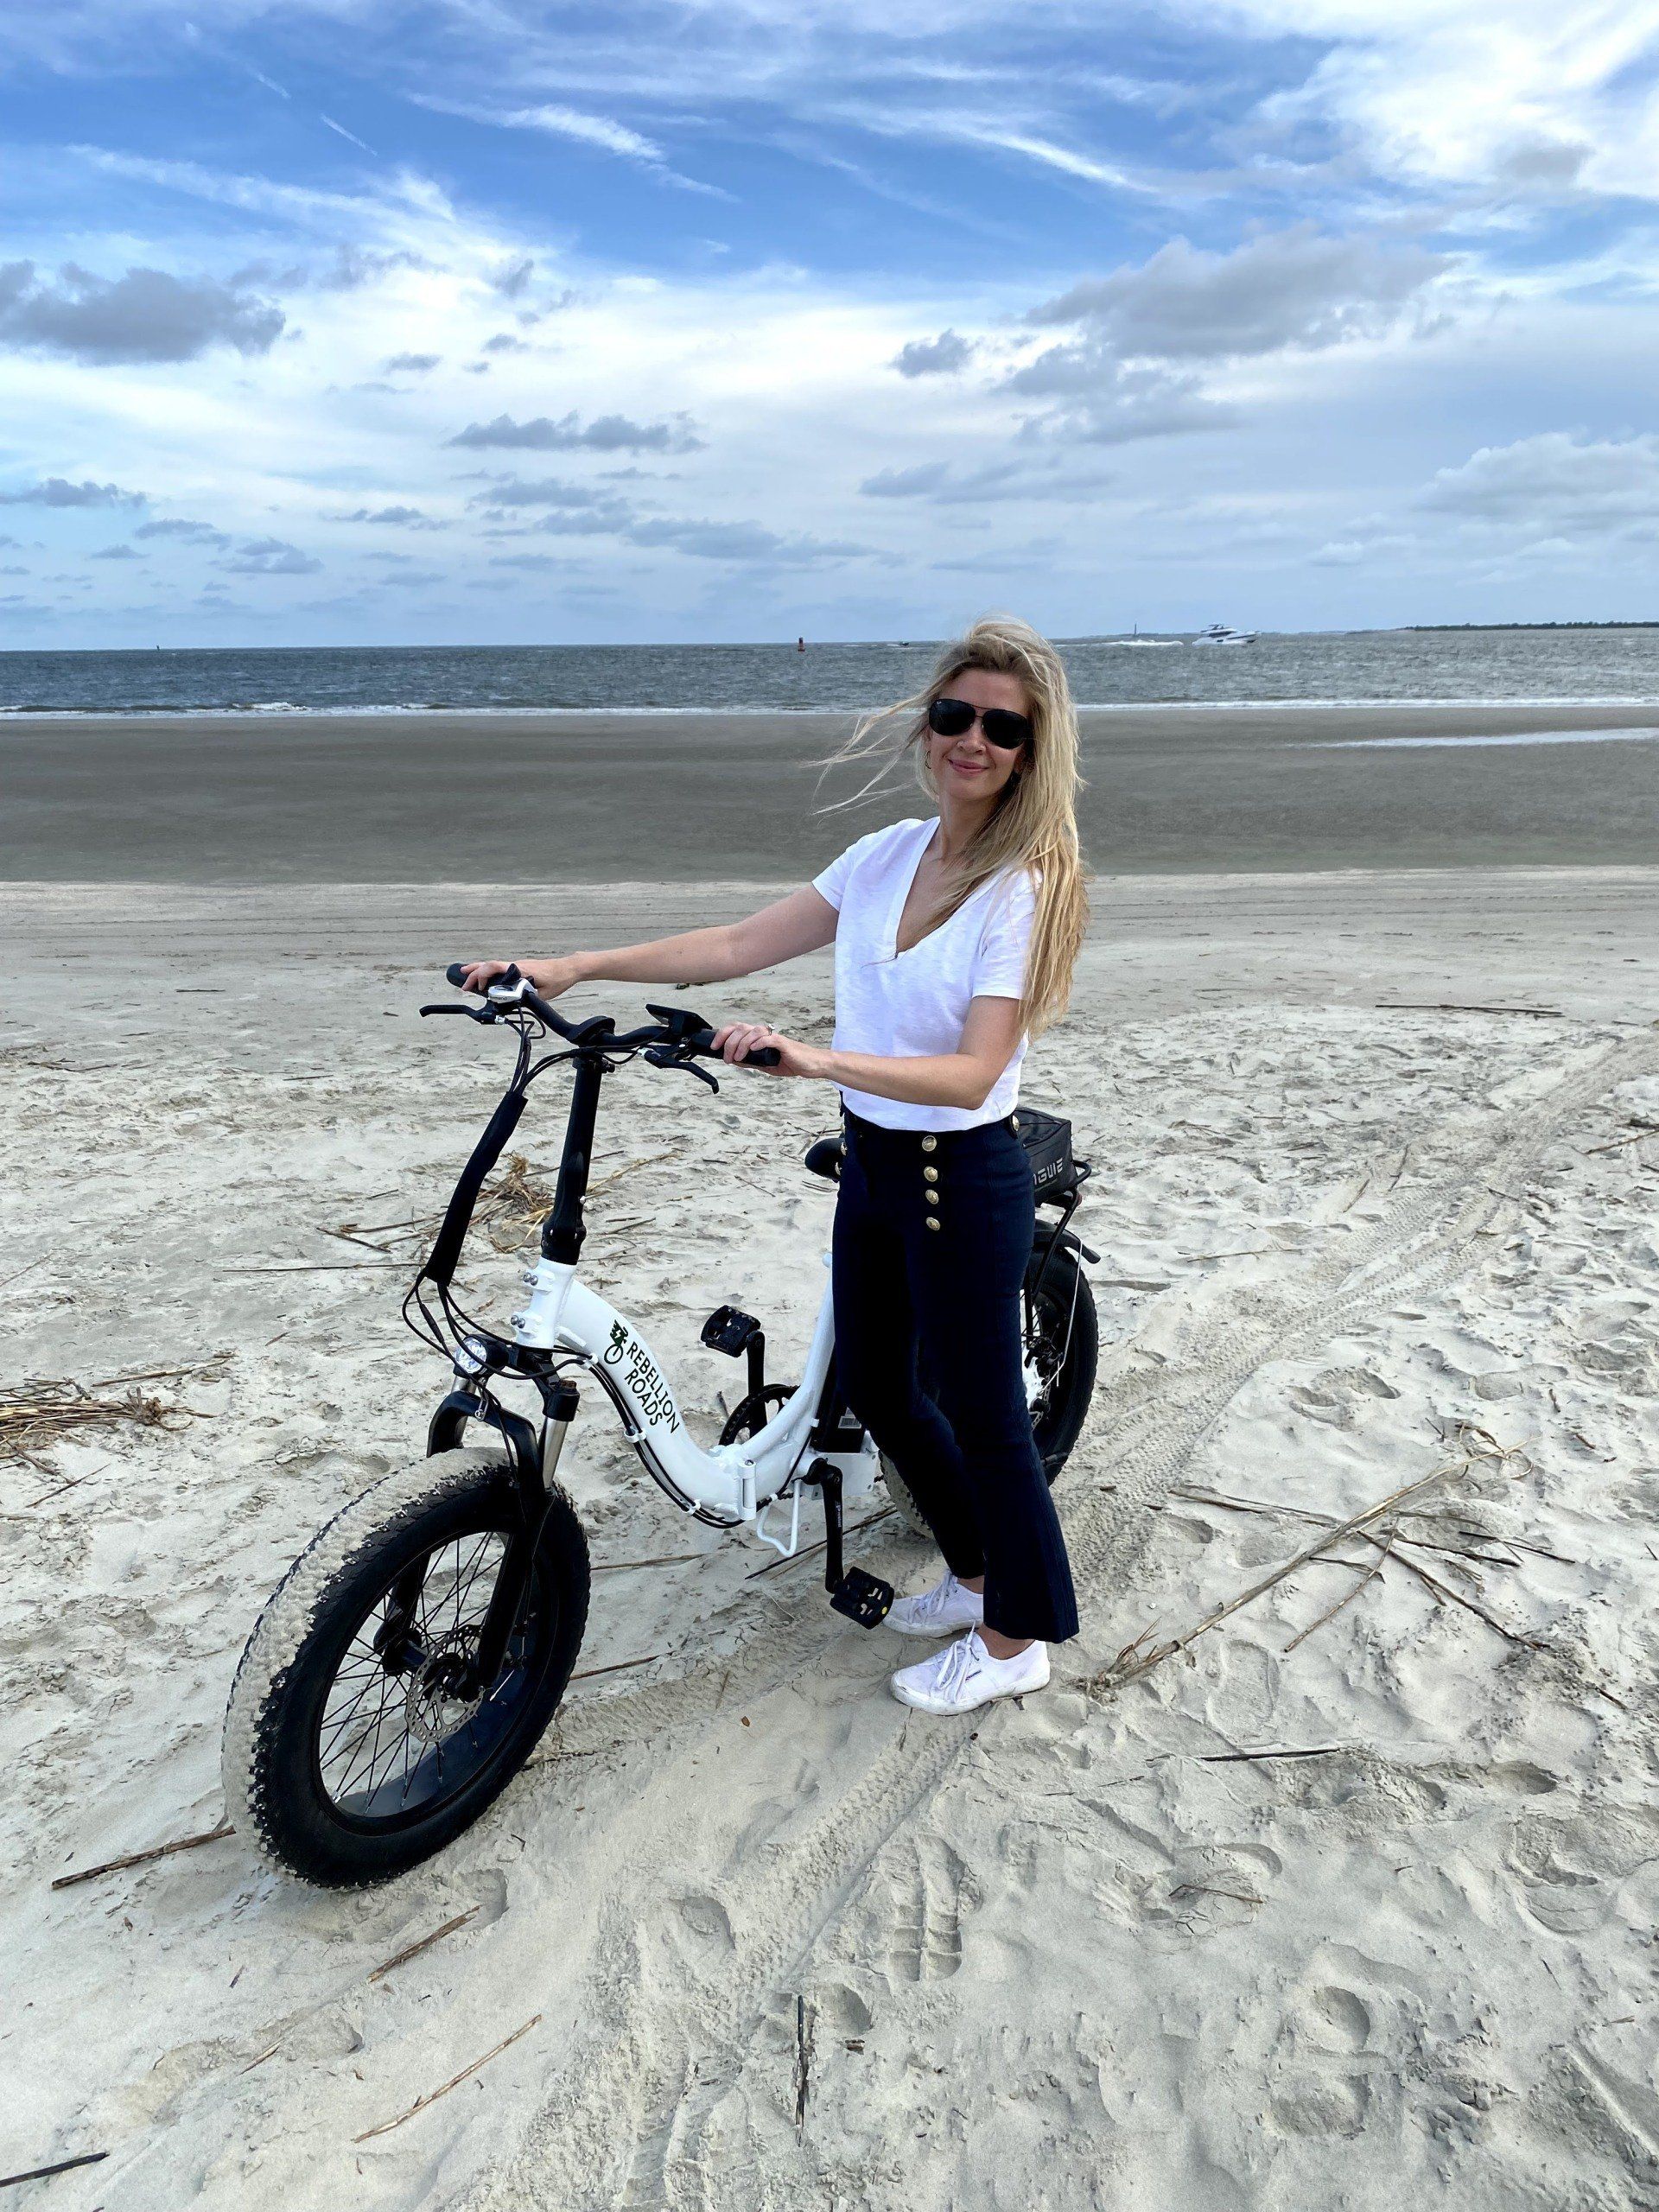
[955, 936]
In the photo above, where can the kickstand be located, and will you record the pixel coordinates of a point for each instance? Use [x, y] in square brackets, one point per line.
[862, 1598]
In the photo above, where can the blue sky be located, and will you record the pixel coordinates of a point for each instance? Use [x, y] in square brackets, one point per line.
[473, 322]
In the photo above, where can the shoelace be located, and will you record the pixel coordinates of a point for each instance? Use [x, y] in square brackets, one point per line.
[955, 1664]
[934, 1600]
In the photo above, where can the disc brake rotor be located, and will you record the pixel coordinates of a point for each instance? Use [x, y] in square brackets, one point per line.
[433, 1709]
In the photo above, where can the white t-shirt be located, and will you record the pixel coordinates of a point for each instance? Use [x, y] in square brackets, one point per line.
[912, 1003]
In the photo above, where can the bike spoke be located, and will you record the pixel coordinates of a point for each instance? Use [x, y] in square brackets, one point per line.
[392, 1693]
[395, 1741]
[341, 1722]
[371, 1784]
[370, 1728]
[477, 1569]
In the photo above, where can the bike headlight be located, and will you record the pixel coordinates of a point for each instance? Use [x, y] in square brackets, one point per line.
[472, 1356]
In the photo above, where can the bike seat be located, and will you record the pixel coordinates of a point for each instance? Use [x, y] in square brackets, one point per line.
[823, 1157]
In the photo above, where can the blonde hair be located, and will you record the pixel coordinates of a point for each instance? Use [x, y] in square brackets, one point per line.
[1034, 825]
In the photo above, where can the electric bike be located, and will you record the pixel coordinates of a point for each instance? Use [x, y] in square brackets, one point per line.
[405, 1669]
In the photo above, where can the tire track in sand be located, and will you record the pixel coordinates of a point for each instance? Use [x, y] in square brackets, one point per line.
[657, 2050]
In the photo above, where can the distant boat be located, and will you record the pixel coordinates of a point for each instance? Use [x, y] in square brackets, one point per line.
[1218, 633]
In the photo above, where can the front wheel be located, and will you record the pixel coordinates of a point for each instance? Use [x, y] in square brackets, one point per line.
[1061, 1352]
[359, 1738]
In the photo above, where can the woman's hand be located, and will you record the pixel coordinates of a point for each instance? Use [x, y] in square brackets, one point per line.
[548, 978]
[738, 1039]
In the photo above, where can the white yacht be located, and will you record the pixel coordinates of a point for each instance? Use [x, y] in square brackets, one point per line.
[1218, 633]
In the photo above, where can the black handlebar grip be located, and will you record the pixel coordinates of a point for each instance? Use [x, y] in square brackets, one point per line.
[764, 1056]
[456, 970]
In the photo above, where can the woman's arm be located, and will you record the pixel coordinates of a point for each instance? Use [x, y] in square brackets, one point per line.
[990, 1037]
[801, 923]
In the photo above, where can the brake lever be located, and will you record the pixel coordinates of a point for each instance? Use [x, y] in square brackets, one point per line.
[663, 1056]
[471, 1013]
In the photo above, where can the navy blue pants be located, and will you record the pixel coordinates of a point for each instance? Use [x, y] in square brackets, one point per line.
[932, 1235]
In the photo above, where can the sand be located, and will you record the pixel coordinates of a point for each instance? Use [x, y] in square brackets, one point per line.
[1360, 1922]
[230, 800]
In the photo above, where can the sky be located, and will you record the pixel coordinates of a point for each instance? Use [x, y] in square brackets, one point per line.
[475, 322]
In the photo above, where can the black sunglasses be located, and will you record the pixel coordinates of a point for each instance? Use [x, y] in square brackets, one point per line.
[1002, 726]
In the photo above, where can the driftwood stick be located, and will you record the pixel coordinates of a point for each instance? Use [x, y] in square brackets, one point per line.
[649, 1159]
[1142, 1661]
[312, 1267]
[62, 2167]
[1444, 1590]
[617, 1666]
[424, 1942]
[454, 2082]
[1451, 1006]
[667, 1558]
[802, 2059]
[1643, 1131]
[1227, 1758]
[1209, 1890]
[142, 1858]
[1326, 1520]
[1348, 1597]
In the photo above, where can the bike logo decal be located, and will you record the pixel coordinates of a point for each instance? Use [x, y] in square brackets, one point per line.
[643, 1378]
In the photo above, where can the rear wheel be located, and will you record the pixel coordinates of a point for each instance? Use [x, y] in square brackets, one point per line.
[359, 1738]
[1062, 1350]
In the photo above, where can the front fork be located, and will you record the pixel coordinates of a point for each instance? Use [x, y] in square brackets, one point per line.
[534, 1460]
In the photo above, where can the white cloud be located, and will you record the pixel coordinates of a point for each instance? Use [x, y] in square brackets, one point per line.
[1296, 286]
[57, 491]
[1496, 96]
[605, 433]
[1023, 478]
[602, 131]
[934, 357]
[269, 557]
[147, 315]
[1561, 482]
[1105, 401]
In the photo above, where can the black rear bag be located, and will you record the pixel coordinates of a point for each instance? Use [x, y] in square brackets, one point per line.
[1047, 1140]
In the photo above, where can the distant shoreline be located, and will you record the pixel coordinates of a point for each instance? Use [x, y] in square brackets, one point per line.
[1449, 626]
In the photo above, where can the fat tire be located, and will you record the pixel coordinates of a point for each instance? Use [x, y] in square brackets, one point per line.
[270, 1792]
[1068, 1408]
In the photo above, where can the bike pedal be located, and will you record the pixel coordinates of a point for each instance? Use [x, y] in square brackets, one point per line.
[863, 1597]
[728, 1330]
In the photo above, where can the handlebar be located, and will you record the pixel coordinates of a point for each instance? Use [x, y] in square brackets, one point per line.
[514, 988]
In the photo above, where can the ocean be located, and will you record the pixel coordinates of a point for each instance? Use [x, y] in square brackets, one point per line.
[1613, 666]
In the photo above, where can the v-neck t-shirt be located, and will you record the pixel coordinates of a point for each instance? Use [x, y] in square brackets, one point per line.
[913, 1003]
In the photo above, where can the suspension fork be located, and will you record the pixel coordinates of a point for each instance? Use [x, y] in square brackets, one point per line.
[534, 1460]
[560, 1399]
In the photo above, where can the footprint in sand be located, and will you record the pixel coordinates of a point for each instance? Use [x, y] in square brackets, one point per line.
[706, 1924]
[1206, 1888]
[922, 1891]
[1570, 1869]
[1339, 2055]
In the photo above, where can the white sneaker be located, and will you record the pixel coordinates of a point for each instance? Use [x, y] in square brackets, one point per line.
[964, 1676]
[941, 1610]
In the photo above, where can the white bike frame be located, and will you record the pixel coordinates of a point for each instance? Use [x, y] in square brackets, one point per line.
[731, 1483]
